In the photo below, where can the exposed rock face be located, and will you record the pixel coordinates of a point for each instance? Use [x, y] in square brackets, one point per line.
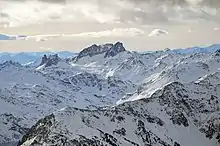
[211, 128]
[114, 50]
[51, 60]
[217, 52]
[109, 50]
[45, 123]
[94, 50]
[44, 60]
[133, 123]
[44, 131]
[10, 64]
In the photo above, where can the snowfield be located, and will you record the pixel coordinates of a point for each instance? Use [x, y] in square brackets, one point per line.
[106, 95]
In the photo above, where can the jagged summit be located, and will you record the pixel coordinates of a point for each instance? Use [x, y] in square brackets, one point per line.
[51, 60]
[44, 60]
[10, 63]
[217, 52]
[115, 49]
[94, 50]
[110, 50]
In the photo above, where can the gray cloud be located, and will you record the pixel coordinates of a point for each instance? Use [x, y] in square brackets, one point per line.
[212, 3]
[106, 11]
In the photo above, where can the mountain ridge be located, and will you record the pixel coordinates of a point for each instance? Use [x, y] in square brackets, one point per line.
[145, 99]
[26, 57]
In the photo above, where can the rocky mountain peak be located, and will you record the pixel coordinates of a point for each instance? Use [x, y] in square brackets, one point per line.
[115, 49]
[94, 50]
[51, 60]
[109, 50]
[10, 63]
[217, 52]
[44, 59]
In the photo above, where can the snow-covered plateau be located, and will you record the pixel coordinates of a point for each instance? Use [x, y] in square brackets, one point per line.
[109, 96]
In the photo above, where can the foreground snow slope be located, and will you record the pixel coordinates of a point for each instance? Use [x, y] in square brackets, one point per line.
[110, 76]
[177, 115]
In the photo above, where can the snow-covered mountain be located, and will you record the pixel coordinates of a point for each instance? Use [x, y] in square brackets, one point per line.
[173, 116]
[107, 95]
[6, 37]
[27, 58]
[193, 50]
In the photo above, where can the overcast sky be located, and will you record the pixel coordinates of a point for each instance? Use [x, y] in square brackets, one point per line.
[141, 24]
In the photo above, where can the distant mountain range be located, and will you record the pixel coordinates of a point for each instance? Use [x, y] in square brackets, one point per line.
[191, 50]
[27, 57]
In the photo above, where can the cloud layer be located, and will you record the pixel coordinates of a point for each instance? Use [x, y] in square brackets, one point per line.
[116, 32]
[14, 13]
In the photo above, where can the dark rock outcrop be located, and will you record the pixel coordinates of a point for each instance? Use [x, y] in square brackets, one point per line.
[10, 63]
[94, 50]
[44, 60]
[217, 52]
[42, 127]
[109, 50]
[51, 60]
[115, 49]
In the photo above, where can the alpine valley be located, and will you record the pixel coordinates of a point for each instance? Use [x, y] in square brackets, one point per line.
[106, 95]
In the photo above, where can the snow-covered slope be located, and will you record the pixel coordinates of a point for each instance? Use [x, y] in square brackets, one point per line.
[108, 95]
[177, 115]
[29, 93]
[193, 50]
